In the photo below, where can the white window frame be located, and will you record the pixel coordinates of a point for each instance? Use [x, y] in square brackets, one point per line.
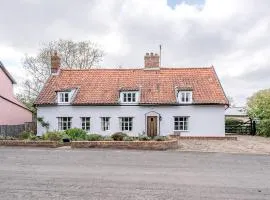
[64, 122]
[185, 97]
[129, 97]
[105, 123]
[126, 123]
[86, 123]
[63, 97]
[181, 122]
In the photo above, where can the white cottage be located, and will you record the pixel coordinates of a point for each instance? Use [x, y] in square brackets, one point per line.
[149, 100]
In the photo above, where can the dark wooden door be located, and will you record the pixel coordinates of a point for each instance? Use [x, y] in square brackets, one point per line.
[152, 126]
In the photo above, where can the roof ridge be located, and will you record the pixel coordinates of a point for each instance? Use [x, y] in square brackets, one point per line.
[7, 73]
[124, 69]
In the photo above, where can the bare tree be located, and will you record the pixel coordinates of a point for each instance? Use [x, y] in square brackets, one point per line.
[74, 55]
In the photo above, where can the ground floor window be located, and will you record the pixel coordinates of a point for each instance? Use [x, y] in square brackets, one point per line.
[126, 123]
[64, 123]
[181, 123]
[105, 123]
[86, 123]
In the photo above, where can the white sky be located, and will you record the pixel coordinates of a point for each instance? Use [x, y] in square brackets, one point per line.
[232, 35]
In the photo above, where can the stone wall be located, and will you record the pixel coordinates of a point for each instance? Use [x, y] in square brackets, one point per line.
[143, 145]
[51, 144]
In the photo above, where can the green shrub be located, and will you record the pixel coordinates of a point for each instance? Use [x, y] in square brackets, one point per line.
[118, 136]
[33, 137]
[144, 138]
[263, 128]
[53, 136]
[94, 137]
[26, 135]
[128, 138]
[107, 138]
[160, 138]
[76, 134]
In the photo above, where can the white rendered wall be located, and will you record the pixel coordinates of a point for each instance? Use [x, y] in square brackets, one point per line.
[204, 120]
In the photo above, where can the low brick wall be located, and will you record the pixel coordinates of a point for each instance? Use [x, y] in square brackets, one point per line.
[203, 137]
[143, 145]
[27, 143]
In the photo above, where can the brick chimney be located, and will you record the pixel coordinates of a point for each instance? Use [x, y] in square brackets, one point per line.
[151, 61]
[55, 63]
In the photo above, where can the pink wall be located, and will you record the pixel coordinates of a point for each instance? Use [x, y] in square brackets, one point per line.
[6, 87]
[11, 114]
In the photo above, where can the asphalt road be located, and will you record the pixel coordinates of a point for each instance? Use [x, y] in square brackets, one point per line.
[35, 173]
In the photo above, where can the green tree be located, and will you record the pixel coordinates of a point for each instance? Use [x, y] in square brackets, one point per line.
[258, 107]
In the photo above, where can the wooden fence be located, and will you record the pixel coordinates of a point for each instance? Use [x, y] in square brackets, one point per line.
[16, 130]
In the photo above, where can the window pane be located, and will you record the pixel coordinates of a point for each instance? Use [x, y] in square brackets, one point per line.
[187, 96]
[183, 97]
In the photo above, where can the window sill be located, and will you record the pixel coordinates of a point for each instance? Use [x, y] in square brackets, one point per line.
[123, 103]
[64, 104]
[180, 130]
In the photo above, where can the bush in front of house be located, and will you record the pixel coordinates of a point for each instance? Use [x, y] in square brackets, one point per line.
[144, 138]
[107, 138]
[160, 138]
[128, 138]
[118, 136]
[76, 134]
[94, 137]
[53, 136]
[26, 135]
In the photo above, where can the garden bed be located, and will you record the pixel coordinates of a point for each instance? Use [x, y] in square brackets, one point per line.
[29, 143]
[140, 145]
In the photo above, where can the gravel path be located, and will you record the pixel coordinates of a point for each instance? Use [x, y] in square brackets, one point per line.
[244, 144]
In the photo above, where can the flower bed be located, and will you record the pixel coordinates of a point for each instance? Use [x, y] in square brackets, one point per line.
[29, 143]
[140, 145]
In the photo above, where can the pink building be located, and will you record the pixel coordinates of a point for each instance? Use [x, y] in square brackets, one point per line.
[12, 111]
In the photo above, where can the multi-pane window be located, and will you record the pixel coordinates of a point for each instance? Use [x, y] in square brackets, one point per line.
[64, 123]
[126, 123]
[181, 123]
[86, 123]
[63, 97]
[185, 97]
[129, 97]
[105, 123]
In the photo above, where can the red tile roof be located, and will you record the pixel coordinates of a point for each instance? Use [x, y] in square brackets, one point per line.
[102, 86]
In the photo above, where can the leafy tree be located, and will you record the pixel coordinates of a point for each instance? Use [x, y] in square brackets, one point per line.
[74, 55]
[259, 107]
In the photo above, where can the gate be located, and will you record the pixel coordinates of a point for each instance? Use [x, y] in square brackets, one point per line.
[245, 128]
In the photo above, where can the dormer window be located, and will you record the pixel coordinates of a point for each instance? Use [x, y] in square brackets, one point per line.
[185, 97]
[129, 97]
[63, 97]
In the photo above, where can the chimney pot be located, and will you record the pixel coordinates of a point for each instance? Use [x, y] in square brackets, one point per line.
[151, 61]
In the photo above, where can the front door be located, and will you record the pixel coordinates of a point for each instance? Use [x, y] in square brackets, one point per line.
[152, 126]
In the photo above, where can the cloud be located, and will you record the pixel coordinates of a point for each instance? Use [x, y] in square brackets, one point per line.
[231, 35]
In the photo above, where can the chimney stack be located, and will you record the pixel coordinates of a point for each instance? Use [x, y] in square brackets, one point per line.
[151, 61]
[55, 63]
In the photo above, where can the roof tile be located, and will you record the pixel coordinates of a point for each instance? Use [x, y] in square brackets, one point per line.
[102, 86]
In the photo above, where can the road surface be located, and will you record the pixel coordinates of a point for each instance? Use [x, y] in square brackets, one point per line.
[39, 173]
